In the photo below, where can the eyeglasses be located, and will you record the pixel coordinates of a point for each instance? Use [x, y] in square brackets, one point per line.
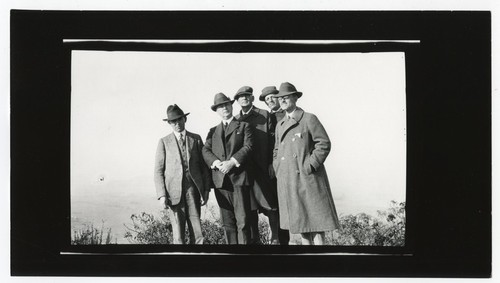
[284, 97]
[176, 121]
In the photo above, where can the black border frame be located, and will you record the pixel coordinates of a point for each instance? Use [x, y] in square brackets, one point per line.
[448, 150]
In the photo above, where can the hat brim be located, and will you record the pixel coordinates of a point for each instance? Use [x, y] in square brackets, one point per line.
[175, 118]
[241, 94]
[214, 107]
[280, 94]
[262, 97]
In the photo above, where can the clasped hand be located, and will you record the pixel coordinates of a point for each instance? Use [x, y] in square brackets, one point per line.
[225, 166]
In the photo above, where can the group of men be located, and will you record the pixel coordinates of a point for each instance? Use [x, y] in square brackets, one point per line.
[259, 161]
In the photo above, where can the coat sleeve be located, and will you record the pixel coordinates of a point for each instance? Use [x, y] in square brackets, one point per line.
[244, 152]
[275, 147]
[207, 151]
[159, 173]
[205, 171]
[321, 142]
[271, 125]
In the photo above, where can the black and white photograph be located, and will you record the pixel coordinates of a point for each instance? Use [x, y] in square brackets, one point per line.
[351, 130]
[239, 143]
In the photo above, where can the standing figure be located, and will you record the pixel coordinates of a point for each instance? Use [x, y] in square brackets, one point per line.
[227, 149]
[264, 195]
[272, 102]
[302, 145]
[181, 177]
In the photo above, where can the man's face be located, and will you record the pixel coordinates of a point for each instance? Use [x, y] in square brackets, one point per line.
[225, 110]
[288, 102]
[178, 125]
[272, 102]
[245, 100]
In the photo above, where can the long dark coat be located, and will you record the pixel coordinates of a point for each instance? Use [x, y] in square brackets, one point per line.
[168, 167]
[304, 193]
[264, 189]
[238, 144]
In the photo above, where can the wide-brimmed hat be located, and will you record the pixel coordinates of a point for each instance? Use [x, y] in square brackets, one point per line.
[219, 99]
[267, 91]
[174, 112]
[244, 90]
[288, 89]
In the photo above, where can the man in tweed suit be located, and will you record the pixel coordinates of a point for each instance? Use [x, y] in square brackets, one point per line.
[181, 177]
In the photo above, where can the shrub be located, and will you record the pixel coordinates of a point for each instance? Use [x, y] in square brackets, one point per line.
[388, 229]
[89, 235]
[146, 229]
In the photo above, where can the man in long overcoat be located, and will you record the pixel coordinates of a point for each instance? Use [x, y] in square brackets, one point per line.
[227, 150]
[264, 196]
[304, 193]
[182, 179]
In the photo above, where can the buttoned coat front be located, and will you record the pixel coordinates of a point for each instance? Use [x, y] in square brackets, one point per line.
[261, 158]
[304, 193]
[238, 143]
[168, 171]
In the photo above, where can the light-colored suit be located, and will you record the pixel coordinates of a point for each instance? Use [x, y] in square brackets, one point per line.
[183, 184]
[168, 167]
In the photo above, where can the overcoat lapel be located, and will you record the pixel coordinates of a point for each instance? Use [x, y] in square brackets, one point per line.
[292, 122]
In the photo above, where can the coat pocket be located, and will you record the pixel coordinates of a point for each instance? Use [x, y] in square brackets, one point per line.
[307, 166]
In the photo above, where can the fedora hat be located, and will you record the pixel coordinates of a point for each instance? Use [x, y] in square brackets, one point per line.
[219, 99]
[174, 112]
[244, 90]
[267, 91]
[288, 89]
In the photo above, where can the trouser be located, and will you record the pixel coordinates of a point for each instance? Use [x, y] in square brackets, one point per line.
[186, 211]
[234, 203]
[283, 236]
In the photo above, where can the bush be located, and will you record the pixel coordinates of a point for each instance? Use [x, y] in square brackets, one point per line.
[89, 235]
[388, 229]
[146, 229]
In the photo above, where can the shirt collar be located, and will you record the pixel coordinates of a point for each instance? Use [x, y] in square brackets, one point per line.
[245, 113]
[178, 135]
[290, 115]
[228, 120]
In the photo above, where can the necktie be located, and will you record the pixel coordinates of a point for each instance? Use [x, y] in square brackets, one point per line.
[182, 140]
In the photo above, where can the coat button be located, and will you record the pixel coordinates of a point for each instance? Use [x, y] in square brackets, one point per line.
[283, 158]
[282, 142]
[293, 139]
[298, 172]
[294, 155]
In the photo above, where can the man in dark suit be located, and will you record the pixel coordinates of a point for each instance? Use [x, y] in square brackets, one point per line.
[181, 177]
[264, 195]
[226, 151]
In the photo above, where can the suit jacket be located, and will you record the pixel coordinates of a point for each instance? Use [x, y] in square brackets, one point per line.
[278, 115]
[168, 167]
[262, 155]
[238, 144]
[304, 193]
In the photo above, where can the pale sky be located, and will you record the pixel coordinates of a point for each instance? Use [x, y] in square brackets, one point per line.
[118, 101]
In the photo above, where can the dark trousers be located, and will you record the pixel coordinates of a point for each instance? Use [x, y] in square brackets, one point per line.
[234, 203]
[283, 235]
